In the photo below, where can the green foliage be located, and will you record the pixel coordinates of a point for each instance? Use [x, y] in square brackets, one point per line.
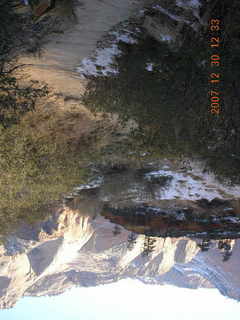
[35, 172]
[16, 98]
[155, 100]
[171, 105]
[35, 169]
[148, 246]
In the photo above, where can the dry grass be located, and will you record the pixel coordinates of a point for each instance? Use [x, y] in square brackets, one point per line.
[47, 154]
[41, 159]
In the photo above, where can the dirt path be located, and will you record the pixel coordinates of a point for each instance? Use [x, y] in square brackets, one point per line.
[63, 53]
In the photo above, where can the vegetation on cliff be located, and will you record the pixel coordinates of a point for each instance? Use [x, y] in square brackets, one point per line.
[42, 152]
[171, 102]
[38, 159]
[16, 98]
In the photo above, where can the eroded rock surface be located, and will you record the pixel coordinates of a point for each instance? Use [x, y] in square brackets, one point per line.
[80, 250]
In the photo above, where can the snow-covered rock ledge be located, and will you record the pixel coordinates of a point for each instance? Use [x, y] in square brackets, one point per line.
[192, 185]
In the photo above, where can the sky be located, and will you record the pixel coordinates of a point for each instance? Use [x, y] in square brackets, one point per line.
[125, 300]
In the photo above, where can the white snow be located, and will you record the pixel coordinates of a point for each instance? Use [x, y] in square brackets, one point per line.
[124, 37]
[192, 186]
[168, 13]
[194, 5]
[149, 66]
[166, 37]
[188, 3]
[102, 62]
[91, 185]
[231, 219]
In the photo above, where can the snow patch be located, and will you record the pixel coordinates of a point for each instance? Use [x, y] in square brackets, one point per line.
[231, 219]
[149, 66]
[168, 13]
[77, 190]
[166, 38]
[191, 186]
[91, 185]
[188, 3]
[194, 5]
[102, 62]
[126, 37]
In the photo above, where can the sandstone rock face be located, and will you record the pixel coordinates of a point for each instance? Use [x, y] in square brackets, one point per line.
[83, 251]
[25, 261]
[77, 246]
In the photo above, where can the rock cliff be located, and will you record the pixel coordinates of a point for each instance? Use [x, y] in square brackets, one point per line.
[76, 250]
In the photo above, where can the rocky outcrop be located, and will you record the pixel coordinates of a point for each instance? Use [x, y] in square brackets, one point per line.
[166, 20]
[80, 250]
[76, 246]
[163, 28]
[217, 220]
[51, 247]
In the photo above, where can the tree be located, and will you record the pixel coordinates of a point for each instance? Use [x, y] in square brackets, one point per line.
[205, 244]
[131, 240]
[172, 104]
[226, 248]
[116, 230]
[15, 97]
[148, 246]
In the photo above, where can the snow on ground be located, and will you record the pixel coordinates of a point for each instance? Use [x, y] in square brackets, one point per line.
[102, 62]
[126, 37]
[149, 66]
[168, 13]
[166, 37]
[188, 3]
[91, 185]
[194, 5]
[192, 186]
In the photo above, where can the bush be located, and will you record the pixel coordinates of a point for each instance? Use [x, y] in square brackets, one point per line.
[171, 104]
[36, 171]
